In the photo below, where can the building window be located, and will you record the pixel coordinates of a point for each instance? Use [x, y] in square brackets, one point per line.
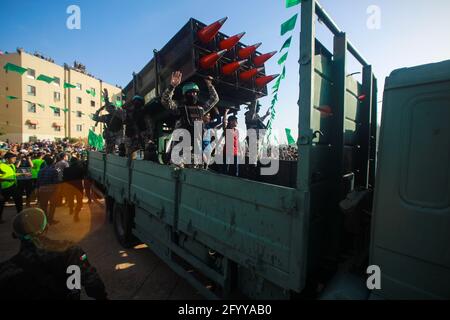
[56, 81]
[31, 91]
[58, 128]
[57, 96]
[31, 73]
[31, 126]
[79, 100]
[79, 127]
[31, 107]
[92, 103]
[79, 114]
[57, 112]
[79, 87]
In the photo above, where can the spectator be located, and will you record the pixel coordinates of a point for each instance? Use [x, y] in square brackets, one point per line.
[25, 180]
[231, 164]
[8, 179]
[47, 184]
[73, 185]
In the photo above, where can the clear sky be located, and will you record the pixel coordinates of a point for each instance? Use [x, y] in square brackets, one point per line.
[117, 37]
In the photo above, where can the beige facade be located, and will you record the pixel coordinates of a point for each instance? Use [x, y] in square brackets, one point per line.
[38, 113]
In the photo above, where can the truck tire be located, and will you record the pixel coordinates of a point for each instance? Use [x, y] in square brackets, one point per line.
[109, 209]
[123, 221]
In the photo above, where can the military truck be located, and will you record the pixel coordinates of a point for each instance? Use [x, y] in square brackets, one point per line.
[351, 206]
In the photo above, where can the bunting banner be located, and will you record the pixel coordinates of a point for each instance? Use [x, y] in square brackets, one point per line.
[68, 85]
[289, 25]
[290, 139]
[14, 68]
[292, 3]
[286, 27]
[286, 44]
[45, 78]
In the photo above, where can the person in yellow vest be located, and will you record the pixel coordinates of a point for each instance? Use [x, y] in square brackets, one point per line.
[8, 181]
[38, 163]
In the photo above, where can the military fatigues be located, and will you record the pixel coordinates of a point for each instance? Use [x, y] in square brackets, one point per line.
[40, 272]
[188, 115]
[113, 133]
[139, 131]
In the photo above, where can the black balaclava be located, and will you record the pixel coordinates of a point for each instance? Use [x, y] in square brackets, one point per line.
[190, 99]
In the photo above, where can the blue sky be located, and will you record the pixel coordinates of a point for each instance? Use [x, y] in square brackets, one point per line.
[117, 37]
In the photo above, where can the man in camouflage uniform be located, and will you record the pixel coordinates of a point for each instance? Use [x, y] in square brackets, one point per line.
[190, 109]
[39, 270]
[139, 127]
[113, 131]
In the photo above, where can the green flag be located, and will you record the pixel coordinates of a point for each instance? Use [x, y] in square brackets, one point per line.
[45, 78]
[14, 68]
[65, 110]
[283, 73]
[68, 85]
[289, 25]
[290, 139]
[283, 58]
[119, 104]
[92, 138]
[291, 3]
[91, 92]
[9, 98]
[286, 44]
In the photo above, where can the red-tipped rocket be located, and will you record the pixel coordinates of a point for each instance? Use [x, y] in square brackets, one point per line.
[259, 60]
[231, 41]
[207, 62]
[262, 81]
[248, 51]
[248, 75]
[208, 33]
[232, 67]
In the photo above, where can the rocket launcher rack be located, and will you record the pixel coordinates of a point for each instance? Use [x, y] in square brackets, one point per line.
[186, 52]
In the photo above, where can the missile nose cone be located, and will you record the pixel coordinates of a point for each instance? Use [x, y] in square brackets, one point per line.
[262, 81]
[222, 21]
[232, 67]
[260, 60]
[210, 60]
[208, 33]
[248, 51]
[231, 41]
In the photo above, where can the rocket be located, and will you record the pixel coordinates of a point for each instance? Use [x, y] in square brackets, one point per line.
[209, 61]
[248, 51]
[232, 67]
[248, 75]
[231, 41]
[262, 81]
[208, 33]
[259, 60]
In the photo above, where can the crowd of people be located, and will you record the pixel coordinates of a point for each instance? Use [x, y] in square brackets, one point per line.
[51, 173]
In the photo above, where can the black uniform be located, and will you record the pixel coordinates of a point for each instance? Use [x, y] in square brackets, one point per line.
[113, 132]
[40, 274]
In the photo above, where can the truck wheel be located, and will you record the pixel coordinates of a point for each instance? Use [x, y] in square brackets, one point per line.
[109, 208]
[123, 224]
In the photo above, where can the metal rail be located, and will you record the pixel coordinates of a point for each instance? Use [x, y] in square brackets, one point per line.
[328, 21]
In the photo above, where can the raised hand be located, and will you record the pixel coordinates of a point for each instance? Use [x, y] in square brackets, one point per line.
[209, 80]
[176, 78]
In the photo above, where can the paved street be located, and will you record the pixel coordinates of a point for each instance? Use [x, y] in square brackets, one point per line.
[128, 273]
